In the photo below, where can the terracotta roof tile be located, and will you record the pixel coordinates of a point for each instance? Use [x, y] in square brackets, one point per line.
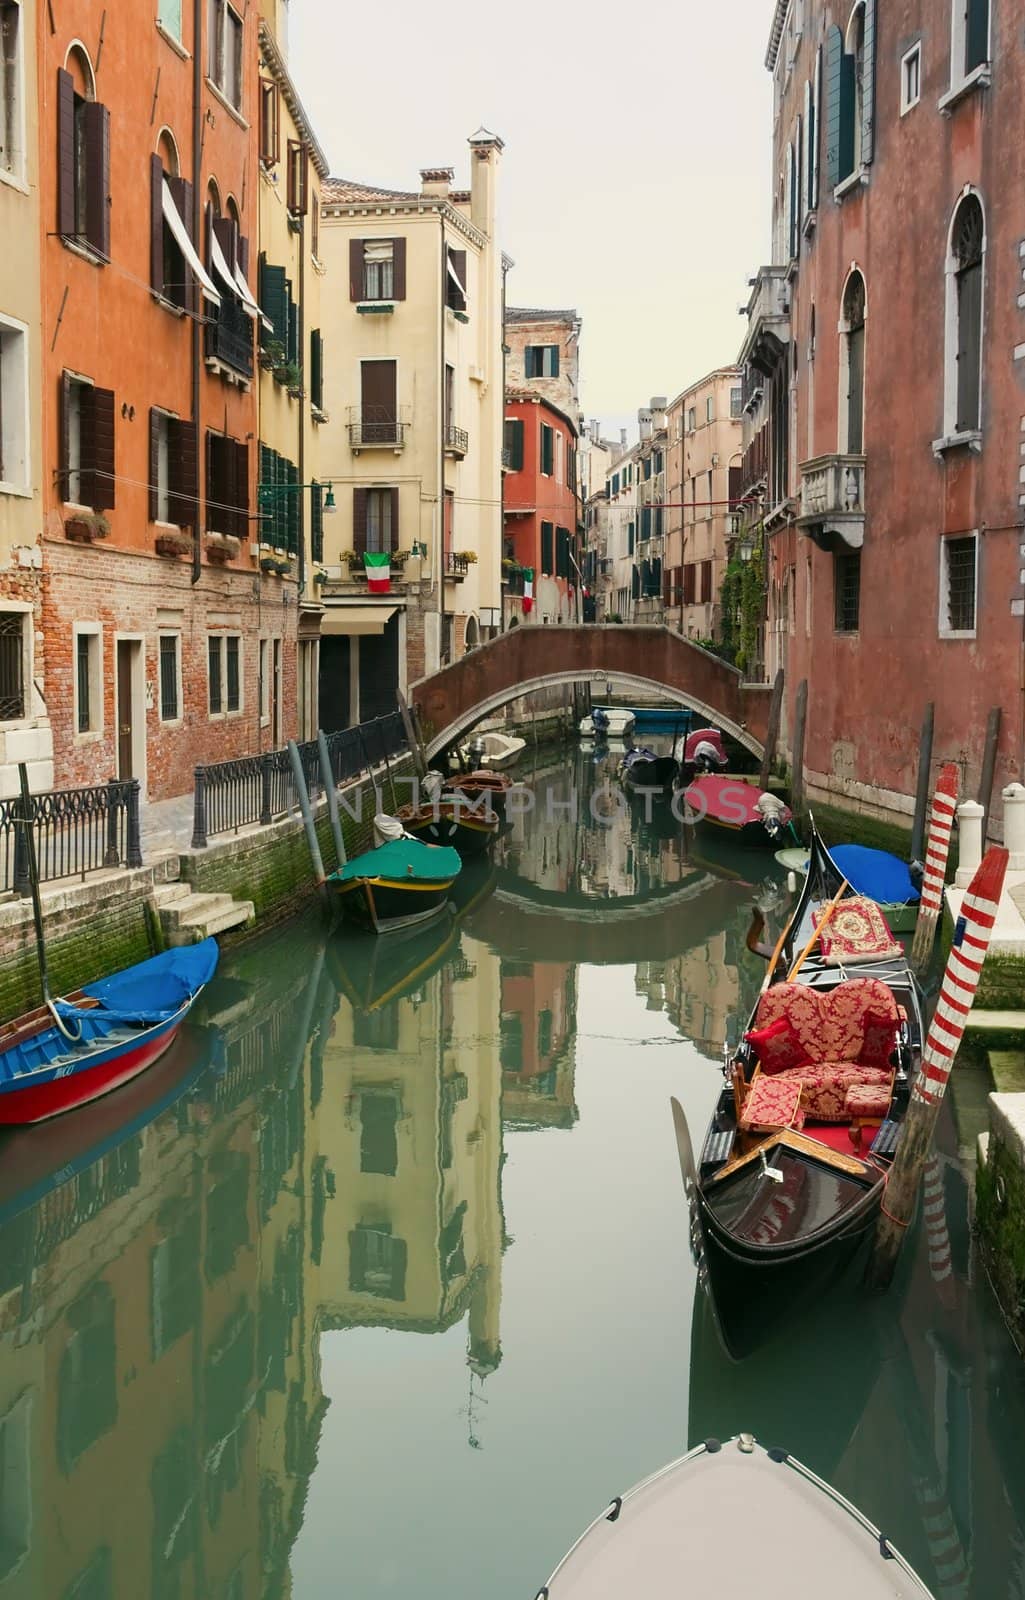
[342, 191]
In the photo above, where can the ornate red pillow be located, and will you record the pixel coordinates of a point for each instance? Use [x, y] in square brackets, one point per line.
[776, 1046]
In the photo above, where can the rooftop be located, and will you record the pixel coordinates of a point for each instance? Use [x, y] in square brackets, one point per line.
[534, 314]
[337, 191]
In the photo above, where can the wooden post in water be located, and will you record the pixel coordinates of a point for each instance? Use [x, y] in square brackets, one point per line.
[332, 795]
[800, 726]
[960, 981]
[922, 786]
[944, 806]
[304, 805]
[419, 758]
[771, 737]
[989, 761]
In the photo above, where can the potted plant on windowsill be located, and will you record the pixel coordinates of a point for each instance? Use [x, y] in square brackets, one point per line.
[174, 542]
[86, 526]
[272, 356]
[469, 556]
[222, 546]
[276, 564]
[289, 374]
[353, 559]
[400, 557]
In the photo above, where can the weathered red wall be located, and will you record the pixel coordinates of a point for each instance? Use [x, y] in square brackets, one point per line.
[542, 498]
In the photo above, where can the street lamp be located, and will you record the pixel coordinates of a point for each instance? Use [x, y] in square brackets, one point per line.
[265, 493]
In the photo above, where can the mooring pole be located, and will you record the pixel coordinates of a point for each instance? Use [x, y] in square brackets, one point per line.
[304, 805]
[922, 786]
[772, 735]
[419, 757]
[332, 795]
[989, 762]
[960, 981]
[800, 725]
[944, 807]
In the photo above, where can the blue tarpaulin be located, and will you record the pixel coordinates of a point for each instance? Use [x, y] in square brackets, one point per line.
[875, 873]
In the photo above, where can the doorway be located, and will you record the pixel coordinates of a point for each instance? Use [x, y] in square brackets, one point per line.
[131, 747]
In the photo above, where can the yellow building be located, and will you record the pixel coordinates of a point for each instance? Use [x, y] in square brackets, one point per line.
[24, 726]
[290, 497]
[413, 447]
[705, 445]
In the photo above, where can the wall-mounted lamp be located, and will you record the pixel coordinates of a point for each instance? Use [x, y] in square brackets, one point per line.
[418, 548]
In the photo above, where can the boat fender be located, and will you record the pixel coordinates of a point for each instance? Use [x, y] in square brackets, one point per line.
[746, 1443]
[713, 1446]
[612, 1514]
[778, 1454]
[792, 882]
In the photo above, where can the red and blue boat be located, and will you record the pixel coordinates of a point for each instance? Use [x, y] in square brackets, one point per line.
[71, 1051]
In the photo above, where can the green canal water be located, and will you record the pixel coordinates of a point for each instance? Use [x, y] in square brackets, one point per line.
[380, 1283]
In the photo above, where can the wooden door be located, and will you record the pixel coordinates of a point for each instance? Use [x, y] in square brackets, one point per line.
[125, 709]
[276, 696]
[378, 402]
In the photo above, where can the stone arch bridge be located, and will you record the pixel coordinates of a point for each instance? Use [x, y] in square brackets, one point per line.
[634, 658]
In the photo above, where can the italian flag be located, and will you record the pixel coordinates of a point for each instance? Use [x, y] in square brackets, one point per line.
[378, 570]
[528, 590]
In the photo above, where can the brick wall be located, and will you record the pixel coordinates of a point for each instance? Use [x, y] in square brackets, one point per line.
[142, 595]
[84, 941]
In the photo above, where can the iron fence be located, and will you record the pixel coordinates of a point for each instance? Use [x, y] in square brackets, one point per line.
[75, 831]
[257, 790]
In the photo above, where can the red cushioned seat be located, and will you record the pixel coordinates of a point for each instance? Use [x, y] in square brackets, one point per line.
[771, 1103]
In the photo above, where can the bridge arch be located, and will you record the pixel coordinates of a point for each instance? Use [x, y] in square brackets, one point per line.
[640, 658]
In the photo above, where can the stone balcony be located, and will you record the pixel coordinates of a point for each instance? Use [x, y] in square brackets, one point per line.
[833, 500]
[768, 320]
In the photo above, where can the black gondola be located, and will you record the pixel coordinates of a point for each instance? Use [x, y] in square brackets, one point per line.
[642, 769]
[780, 1206]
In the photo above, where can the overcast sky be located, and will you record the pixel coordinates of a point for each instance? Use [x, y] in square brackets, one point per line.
[635, 179]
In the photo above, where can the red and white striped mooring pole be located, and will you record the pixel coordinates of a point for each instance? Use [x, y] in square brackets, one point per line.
[941, 821]
[960, 981]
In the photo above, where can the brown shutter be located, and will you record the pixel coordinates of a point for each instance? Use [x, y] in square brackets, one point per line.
[355, 269]
[156, 223]
[182, 473]
[395, 544]
[359, 521]
[212, 486]
[65, 154]
[64, 415]
[103, 495]
[97, 177]
[455, 299]
[398, 269]
[181, 194]
[243, 257]
[736, 475]
[224, 232]
[154, 463]
[241, 491]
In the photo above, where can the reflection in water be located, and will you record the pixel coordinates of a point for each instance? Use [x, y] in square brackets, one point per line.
[211, 1380]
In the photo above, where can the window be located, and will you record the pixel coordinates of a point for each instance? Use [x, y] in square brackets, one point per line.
[317, 369]
[969, 41]
[377, 269]
[710, 409]
[88, 679]
[911, 78]
[706, 582]
[847, 591]
[455, 279]
[548, 453]
[87, 444]
[317, 521]
[223, 673]
[736, 402]
[83, 143]
[379, 520]
[964, 307]
[263, 684]
[377, 1261]
[615, 483]
[514, 442]
[692, 419]
[270, 123]
[690, 570]
[87, 1377]
[852, 364]
[169, 16]
[12, 156]
[170, 674]
[13, 675]
[227, 488]
[225, 51]
[541, 361]
[14, 429]
[958, 583]
[848, 113]
[298, 198]
[548, 549]
[379, 1112]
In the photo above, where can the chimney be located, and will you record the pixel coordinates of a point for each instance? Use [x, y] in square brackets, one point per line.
[436, 182]
[644, 422]
[486, 151]
[658, 412]
[622, 439]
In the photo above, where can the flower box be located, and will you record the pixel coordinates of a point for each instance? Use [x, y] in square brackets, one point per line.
[222, 546]
[175, 542]
[85, 526]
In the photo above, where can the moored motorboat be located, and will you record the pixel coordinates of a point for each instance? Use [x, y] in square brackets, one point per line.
[793, 1167]
[734, 1518]
[701, 751]
[71, 1051]
[610, 722]
[493, 750]
[485, 789]
[641, 768]
[753, 814]
[398, 884]
[452, 820]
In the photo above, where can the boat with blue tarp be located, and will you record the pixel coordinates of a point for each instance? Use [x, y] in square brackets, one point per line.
[876, 874]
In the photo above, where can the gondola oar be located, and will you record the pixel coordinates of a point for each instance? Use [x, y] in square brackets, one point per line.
[37, 909]
[941, 821]
[819, 926]
[964, 968]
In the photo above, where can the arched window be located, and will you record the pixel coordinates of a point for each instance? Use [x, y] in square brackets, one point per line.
[965, 281]
[167, 150]
[856, 53]
[83, 141]
[852, 366]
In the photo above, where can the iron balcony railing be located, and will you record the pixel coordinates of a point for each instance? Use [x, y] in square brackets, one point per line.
[75, 831]
[457, 440]
[229, 336]
[506, 457]
[456, 566]
[378, 425]
[256, 790]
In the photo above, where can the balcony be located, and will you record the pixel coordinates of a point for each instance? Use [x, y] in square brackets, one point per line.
[456, 566]
[229, 339]
[833, 501]
[768, 321]
[457, 441]
[378, 427]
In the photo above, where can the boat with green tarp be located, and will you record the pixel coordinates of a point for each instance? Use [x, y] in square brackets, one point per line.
[396, 885]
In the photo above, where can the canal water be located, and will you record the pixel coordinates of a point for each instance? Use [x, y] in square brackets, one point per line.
[380, 1284]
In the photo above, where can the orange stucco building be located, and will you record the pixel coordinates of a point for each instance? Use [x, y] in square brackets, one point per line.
[166, 644]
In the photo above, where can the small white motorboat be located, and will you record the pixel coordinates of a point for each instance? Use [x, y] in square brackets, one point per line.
[608, 722]
[493, 750]
[733, 1519]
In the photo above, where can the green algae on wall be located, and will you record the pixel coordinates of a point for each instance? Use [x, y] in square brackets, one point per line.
[84, 945]
[1000, 1220]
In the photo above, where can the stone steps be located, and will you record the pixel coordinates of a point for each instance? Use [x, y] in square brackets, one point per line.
[187, 917]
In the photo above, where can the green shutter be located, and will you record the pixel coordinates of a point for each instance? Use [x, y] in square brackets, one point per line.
[555, 361]
[976, 34]
[294, 353]
[317, 369]
[831, 126]
[630, 537]
[868, 82]
[292, 542]
[274, 301]
[317, 521]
